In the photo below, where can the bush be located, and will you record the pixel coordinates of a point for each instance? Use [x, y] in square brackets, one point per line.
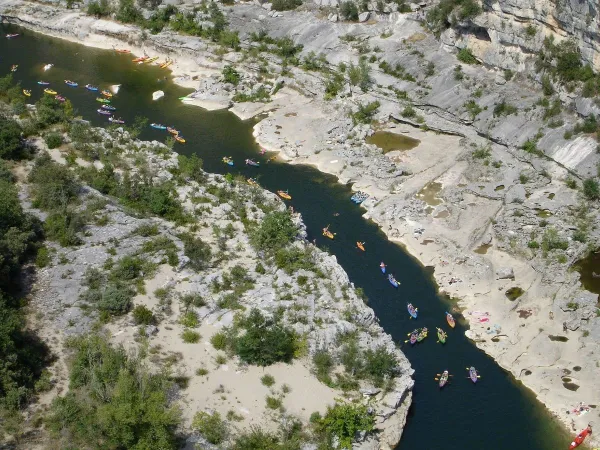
[365, 112]
[533, 244]
[552, 241]
[54, 185]
[265, 341]
[98, 9]
[189, 319]
[211, 426]
[273, 402]
[275, 232]
[63, 226]
[349, 10]
[113, 402]
[128, 13]
[230, 75]
[142, 315]
[591, 190]
[256, 439]
[43, 258]
[293, 259]
[323, 364]
[464, 55]
[11, 144]
[449, 12]
[198, 251]
[53, 140]
[267, 380]
[285, 5]
[116, 299]
[219, 341]
[345, 420]
[379, 365]
[504, 109]
[190, 337]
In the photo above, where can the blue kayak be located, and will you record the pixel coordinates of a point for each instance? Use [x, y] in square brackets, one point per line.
[89, 87]
[382, 267]
[158, 126]
[392, 280]
[412, 310]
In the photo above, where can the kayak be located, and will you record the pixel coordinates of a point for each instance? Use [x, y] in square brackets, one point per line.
[71, 83]
[413, 337]
[106, 93]
[43, 83]
[102, 100]
[361, 246]
[179, 139]
[89, 87]
[60, 98]
[441, 336]
[14, 67]
[443, 379]
[166, 64]
[473, 374]
[48, 67]
[412, 310]
[393, 281]
[327, 233]
[104, 112]
[151, 60]
[173, 131]
[50, 91]
[251, 162]
[580, 438]
[382, 267]
[113, 120]
[252, 182]
[140, 59]
[158, 126]
[227, 160]
[450, 320]
[10, 36]
[284, 195]
[108, 107]
[422, 334]
[27, 93]
[122, 50]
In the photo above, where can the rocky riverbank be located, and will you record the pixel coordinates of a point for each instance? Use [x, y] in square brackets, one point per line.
[490, 197]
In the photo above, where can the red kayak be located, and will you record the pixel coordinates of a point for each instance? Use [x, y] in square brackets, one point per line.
[580, 438]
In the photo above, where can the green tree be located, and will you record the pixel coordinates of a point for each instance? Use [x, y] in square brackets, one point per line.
[275, 232]
[591, 190]
[349, 10]
[11, 144]
[230, 75]
[344, 420]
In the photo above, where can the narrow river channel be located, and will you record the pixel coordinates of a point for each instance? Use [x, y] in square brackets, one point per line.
[496, 413]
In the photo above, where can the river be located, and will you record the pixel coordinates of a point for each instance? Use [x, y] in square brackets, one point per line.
[496, 413]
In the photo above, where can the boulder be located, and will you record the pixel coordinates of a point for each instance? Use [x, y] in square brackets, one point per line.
[370, 391]
[364, 16]
[505, 273]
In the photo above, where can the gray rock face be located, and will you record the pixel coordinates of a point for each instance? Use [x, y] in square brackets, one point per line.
[505, 273]
[364, 16]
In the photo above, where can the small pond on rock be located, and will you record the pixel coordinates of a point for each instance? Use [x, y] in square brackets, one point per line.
[589, 271]
[388, 141]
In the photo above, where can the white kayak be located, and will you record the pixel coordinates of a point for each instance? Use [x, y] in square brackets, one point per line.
[48, 66]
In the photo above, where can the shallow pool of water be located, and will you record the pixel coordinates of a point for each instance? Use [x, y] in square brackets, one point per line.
[388, 141]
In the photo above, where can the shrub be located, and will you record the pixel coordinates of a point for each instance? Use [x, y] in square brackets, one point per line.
[256, 439]
[349, 10]
[379, 364]
[11, 144]
[98, 9]
[198, 251]
[504, 109]
[591, 190]
[63, 226]
[482, 152]
[191, 166]
[142, 315]
[54, 185]
[273, 402]
[345, 420]
[53, 140]
[116, 299]
[571, 183]
[211, 426]
[230, 75]
[276, 231]
[323, 364]
[294, 259]
[552, 241]
[408, 112]
[189, 319]
[219, 341]
[365, 112]
[449, 12]
[533, 244]
[265, 341]
[285, 5]
[267, 380]
[464, 55]
[42, 258]
[190, 337]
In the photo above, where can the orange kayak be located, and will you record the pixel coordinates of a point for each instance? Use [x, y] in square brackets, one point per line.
[580, 438]
[361, 246]
[284, 194]
[122, 51]
[450, 320]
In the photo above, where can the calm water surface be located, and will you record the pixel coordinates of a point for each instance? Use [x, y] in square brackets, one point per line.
[497, 413]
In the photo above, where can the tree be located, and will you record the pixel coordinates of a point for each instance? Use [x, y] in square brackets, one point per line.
[230, 75]
[349, 10]
[591, 190]
[11, 144]
[344, 420]
[275, 232]
[360, 75]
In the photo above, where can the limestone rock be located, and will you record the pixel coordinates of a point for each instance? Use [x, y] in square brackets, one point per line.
[364, 16]
[505, 273]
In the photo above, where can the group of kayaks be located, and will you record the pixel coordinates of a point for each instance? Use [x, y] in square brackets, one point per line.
[173, 131]
[444, 378]
[359, 197]
[147, 60]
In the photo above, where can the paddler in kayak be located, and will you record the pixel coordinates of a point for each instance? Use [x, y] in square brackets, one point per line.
[581, 437]
[382, 266]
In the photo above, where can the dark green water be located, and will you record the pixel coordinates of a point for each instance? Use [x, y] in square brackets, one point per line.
[497, 413]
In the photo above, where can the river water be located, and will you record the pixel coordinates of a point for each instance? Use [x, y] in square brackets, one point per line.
[496, 413]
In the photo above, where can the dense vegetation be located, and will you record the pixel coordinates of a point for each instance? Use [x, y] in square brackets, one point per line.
[113, 402]
[449, 12]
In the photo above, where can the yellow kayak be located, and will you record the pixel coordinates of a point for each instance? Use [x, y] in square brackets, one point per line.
[361, 245]
[50, 91]
[327, 233]
[284, 195]
[252, 182]
[165, 65]
[151, 60]
[107, 93]
[179, 139]
[27, 93]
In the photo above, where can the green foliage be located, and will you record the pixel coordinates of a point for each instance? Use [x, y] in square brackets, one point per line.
[571, 183]
[589, 125]
[449, 12]
[267, 380]
[219, 341]
[211, 426]
[230, 75]
[464, 55]
[504, 109]
[482, 152]
[591, 190]
[50, 111]
[365, 112]
[552, 241]
[323, 363]
[11, 144]
[533, 244]
[53, 140]
[53, 185]
[43, 258]
[256, 439]
[116, 299]
[294, 259]
[344, 420]
[398, 71]
[98, 8]
[472, 108]
[265, 341]
[334, 83]
[190, 336]
[198, 251]
[349, 10]
[189, 319]
[285, 5]
[547, 87]
[113, 402]
[360, 75]
[128, 13]
[160, 19]
[275, 232]
[379, 365]
[63, 226]
[273, 402]
[259, 95]
[142, 315]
